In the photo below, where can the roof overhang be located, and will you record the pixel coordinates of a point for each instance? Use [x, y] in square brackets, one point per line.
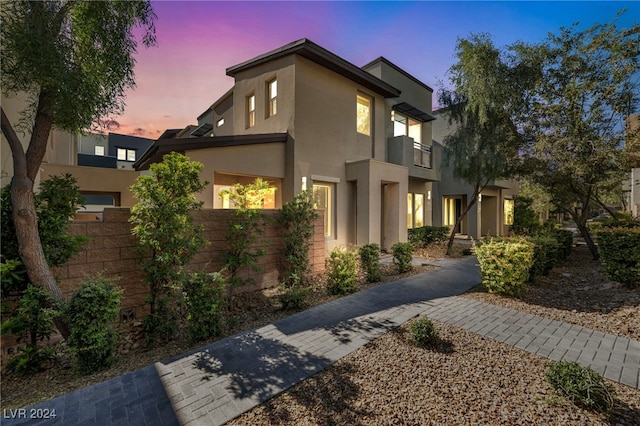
[161, 147]
[413, 112]
[309, 50]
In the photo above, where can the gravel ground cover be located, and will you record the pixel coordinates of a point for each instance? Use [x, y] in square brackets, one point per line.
[469, 379]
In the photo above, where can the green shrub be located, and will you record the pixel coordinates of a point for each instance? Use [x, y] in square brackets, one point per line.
[297, 220]
[525, 220]
[33, 318]
[426, 235]
[341, 272]
[423, 333]
[620, 252]
[203, 295]
[565, 242]
[91, 311]
[402, 256]
[370, 261]
[505, 264]
[545, 255]
[294, 299]
[581, 385]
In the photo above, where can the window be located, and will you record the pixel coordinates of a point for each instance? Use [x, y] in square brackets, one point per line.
[363, 114]
[251, 110]
[272, 97]
[323, 200]
[126, 154]
[220, 122]
[415, 210]
[98, 150]
[405, 126]
[508, 212]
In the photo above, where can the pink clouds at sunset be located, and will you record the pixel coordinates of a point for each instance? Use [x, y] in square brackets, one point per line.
[197, 41]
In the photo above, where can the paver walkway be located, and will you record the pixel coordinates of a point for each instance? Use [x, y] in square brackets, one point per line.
[215, 383]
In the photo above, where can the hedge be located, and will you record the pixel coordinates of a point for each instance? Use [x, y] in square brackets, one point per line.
[505, 264]
[619, 249]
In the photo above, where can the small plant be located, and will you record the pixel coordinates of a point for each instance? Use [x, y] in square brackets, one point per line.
[423, 333]
[203, 294]
[91, 311]
[402, 256]
[294, 299]
[341, 272]
[370, 261]
[33, 318]
[581, 385]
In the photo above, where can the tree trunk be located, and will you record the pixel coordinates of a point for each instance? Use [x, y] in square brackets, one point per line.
[24, 211]
[460, 218]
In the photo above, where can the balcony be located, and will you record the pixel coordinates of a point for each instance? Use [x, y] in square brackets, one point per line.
[420, 159]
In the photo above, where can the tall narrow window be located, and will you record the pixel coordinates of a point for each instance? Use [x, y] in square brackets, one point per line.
[508, 212]
[323, 199]
[272, 97]
[415, 210]
[251, 110]
[363, 112]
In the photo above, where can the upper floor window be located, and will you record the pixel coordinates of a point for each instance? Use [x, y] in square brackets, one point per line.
[98, 150]
[272, 97]
[363, 114]
[251, 110]
[126, 154]
[405, 126]
[220, 122]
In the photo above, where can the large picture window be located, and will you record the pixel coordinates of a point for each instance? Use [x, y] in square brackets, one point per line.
[363, 112]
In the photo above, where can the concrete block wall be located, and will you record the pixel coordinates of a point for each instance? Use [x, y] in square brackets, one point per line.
[112, 252]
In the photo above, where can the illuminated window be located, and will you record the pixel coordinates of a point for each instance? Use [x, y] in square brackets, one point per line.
[272, 97]
[363, 112]
[98, 150]
[508, 212]
[126, 154]
[405, 126]
[220, 122]
[251, 110]
[323, 200]
[415, 210]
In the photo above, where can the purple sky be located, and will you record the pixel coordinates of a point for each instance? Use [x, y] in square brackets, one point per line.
[197, 40]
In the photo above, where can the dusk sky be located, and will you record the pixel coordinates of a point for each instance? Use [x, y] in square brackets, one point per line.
[197, 40]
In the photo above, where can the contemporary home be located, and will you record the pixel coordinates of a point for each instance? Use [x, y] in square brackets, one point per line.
[102, 165]
[493, 212]
[303, 118]
[631, 186]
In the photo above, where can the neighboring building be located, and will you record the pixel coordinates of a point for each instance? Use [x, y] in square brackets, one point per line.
[631, 186]
[302, 117]
[101, 164]
[491, 215]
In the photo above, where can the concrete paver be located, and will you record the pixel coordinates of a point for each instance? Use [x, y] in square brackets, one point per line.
[215, 383]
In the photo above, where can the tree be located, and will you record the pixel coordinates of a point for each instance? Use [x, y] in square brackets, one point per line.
[484, 144]
[75, 58]
[588, 87]
[167, 237]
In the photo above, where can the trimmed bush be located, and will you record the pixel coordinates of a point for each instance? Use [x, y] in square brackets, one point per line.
[428, 234]
[370, 261]
[565, 242]
[545, 255]
[90, 312]
[620, 252]
[294, 299]
[423, 333]
[525, 219]
[402, 256]
[581, 385]
[341, 271]
[203, 299]
[505, 264]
